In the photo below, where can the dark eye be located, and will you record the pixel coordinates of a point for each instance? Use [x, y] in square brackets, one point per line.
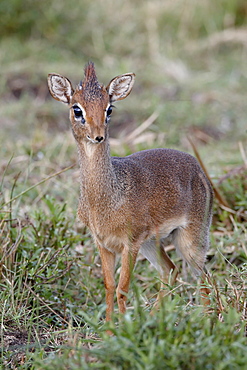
[109, 111]
[78, 113]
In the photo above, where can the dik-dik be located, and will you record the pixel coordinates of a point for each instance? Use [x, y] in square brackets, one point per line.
[133, 203]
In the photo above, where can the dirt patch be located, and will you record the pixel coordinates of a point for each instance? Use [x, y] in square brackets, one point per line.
[17, 343]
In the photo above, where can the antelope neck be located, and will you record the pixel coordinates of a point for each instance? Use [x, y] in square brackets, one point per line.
[98, 179]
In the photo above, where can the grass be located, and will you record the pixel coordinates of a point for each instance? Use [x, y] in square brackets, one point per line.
[190, 63]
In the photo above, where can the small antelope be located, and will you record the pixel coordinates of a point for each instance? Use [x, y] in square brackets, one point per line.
[135, 203]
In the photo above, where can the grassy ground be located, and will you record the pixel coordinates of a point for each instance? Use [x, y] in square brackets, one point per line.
[190, 62]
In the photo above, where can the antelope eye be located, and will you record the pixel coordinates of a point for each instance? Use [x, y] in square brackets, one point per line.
[77, 111]
[109, 111]
[78, 114]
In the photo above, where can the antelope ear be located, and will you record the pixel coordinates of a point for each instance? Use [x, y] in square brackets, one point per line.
[60, 88]
[120, 86]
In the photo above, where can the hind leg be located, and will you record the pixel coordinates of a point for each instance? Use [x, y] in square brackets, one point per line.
[155, 253]
[168, 276]
[192, 244]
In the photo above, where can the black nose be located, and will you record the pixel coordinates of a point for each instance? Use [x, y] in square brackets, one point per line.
[99, 138]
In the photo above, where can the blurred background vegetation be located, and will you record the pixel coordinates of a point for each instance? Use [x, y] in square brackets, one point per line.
[191, 81]
[189, 58]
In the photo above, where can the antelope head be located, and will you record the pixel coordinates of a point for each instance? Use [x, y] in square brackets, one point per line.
[90, 102]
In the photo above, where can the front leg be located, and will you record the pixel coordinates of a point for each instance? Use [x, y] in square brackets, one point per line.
[128, 260]
[108, 267]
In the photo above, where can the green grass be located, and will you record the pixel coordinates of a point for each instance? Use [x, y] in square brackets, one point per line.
[193, 77]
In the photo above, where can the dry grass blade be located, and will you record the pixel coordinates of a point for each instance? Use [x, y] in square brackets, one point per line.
[37, 184]
[227, 36]
[232, 212]
[132, 136]
[243, 154]
[217, 194]
[245, 316]
[138, 135]
[45, 304]
[233, 172]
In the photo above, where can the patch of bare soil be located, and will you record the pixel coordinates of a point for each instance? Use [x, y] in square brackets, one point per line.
[17, 343]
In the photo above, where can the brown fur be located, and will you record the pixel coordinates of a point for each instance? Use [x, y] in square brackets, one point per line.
[136, 202]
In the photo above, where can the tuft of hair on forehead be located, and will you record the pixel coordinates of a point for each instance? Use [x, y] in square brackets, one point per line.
[91, 87]
[90, 73]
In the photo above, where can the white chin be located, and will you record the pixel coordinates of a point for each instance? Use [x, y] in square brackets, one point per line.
[92, 141]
